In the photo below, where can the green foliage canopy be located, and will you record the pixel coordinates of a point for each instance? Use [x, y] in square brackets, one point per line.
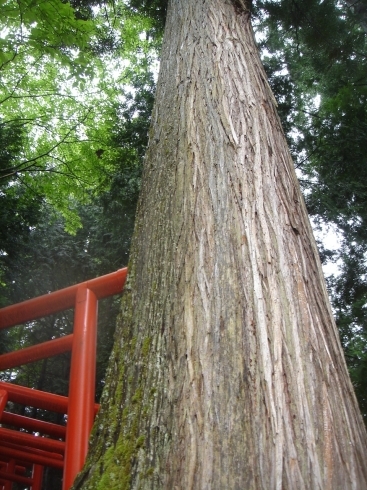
[63, 72]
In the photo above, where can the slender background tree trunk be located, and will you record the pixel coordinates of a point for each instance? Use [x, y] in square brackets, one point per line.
[227, 371]
[360, 9]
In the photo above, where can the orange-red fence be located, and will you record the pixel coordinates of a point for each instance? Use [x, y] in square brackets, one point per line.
[68, 449]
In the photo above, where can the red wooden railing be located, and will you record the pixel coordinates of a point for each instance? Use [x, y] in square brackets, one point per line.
[68, 449]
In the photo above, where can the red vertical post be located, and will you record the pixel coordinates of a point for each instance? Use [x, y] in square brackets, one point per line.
[82, 384]
[3, 401]
[10, 468]
[37, 476]
[2, 467]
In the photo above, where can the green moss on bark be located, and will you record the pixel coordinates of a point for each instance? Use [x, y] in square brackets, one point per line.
[118, 435]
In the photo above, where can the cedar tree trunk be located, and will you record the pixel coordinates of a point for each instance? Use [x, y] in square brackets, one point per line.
[227, 370]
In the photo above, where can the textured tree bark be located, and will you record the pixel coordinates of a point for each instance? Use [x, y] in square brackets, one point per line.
[227, 370]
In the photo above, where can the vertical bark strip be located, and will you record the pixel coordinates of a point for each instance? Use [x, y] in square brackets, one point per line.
[227, 371]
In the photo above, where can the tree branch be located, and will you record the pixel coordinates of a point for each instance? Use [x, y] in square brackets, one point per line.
[26, 165]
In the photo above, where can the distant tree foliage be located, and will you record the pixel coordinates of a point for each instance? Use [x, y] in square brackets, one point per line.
[315, 55]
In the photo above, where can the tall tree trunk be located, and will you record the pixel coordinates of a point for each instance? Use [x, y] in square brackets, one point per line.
[227, 371]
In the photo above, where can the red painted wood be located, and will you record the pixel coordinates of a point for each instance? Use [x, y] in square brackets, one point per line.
[31, 455]
[80, 405]
[10, 469]
[30, 440]
[63, 299]
[11, 477]
[37, 476]
[58, 431]
[3, 400]
[36, 352]
[82, 384]
[31, 450]
[37, 398]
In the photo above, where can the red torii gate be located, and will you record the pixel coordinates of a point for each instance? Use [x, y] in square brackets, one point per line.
[18, 449]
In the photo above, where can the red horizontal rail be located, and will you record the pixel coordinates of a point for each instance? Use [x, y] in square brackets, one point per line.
[18, 469]
[37, 398]
[43, 443]
[35, 425]
[16, 478]
[63, 299]
[31, 455]
[79, 406]
[36, 352]
[30, 451]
